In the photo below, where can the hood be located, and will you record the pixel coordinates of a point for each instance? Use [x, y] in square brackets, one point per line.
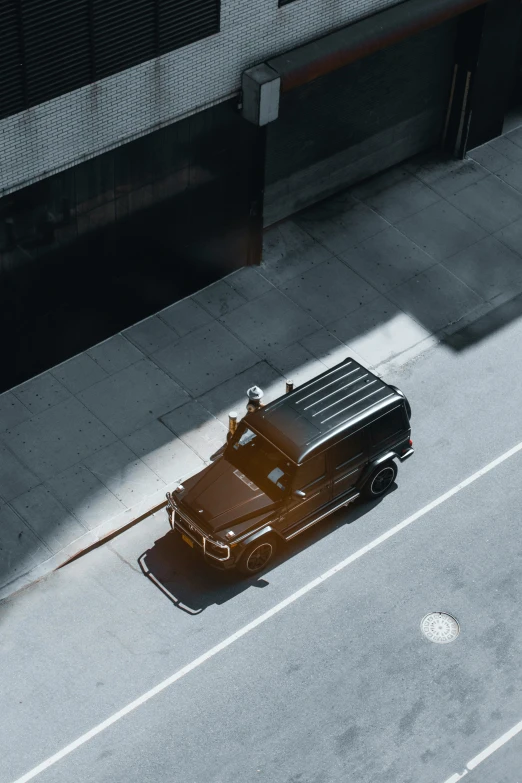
[220, 496]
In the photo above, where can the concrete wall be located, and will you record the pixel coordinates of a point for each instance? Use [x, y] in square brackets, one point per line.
[63, 132]
[93, 249]
[325, 178]
[358, 120]
[176, 164]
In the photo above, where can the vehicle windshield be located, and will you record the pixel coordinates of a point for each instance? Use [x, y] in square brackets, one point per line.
[260, 462]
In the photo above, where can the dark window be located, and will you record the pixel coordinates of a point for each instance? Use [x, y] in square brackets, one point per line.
[388, 425]
[346, 452]
[310, 473]
[51, 47]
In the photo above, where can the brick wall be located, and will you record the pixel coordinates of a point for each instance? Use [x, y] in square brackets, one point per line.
[63, 132]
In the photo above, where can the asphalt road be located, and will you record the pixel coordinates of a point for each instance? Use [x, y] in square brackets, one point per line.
[340, 685]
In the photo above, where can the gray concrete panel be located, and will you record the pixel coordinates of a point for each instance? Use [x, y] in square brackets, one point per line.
[133, 397]
[54, 525]
[85, 496]
[166, 455]
[79, 373]
[57, 438]
[340, 222]
[126, 476]
[387, 259]
[115, 354]
[41, 393]
[205, 357]
[286, 324]
[329, 291]
[196, 427]
[489, 268]
[448, 300]
[21, 550]
[441, 230]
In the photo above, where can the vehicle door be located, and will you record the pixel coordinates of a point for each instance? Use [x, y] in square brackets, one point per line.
[313, 479]
[348, 459]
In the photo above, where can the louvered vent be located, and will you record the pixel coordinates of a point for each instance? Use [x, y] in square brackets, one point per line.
[56, 47]
[11, 71]
[182, 22]
[51, 47]
[124, 34]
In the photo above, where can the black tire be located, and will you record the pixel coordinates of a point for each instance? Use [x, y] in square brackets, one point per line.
[257, 556]
[381, 480]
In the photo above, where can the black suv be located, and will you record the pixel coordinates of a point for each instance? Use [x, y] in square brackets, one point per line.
[291, 463]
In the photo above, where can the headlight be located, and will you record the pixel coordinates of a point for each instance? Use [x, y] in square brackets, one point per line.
[215, 549]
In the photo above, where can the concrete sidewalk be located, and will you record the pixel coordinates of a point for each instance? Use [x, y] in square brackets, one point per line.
[381, 272]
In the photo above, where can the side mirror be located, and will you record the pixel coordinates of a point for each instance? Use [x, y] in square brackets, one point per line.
[298, 493]
[219, 453]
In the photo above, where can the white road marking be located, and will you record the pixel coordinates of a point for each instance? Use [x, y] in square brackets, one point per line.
[263, 618]
[485, 753]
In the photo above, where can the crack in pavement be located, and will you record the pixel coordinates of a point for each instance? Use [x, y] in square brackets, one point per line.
[123, 559]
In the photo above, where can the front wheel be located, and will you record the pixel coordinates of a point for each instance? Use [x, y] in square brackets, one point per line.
[257, 556]
[381, 480]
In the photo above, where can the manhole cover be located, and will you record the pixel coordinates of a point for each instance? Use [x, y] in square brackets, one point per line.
[440, 627]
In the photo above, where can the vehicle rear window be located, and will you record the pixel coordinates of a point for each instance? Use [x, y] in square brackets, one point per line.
[388, 425]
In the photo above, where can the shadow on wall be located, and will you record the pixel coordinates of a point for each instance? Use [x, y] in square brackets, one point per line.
[58, 306]
[94, 249]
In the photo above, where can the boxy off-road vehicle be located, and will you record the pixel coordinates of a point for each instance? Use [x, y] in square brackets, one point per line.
[291, 463]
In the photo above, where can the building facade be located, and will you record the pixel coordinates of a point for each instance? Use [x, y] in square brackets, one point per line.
[131, 175]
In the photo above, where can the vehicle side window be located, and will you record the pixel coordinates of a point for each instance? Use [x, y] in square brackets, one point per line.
[389, 424]
[347, 451]
[310, 473]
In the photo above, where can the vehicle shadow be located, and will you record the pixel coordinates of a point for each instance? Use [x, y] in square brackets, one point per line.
[192, 585]
[486, 326]
[184, 578]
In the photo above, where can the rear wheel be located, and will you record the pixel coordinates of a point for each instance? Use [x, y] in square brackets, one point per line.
[257, 556]
[381, 480]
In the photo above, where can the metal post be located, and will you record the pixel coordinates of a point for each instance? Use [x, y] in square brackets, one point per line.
[232, 424]
[289, 386]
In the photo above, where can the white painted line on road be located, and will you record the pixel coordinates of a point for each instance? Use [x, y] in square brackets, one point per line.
[485, 753]
[259, 620]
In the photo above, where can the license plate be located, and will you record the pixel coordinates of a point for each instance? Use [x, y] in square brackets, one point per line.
[187, 540]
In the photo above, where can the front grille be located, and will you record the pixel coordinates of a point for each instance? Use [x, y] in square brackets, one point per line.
[185, 525]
